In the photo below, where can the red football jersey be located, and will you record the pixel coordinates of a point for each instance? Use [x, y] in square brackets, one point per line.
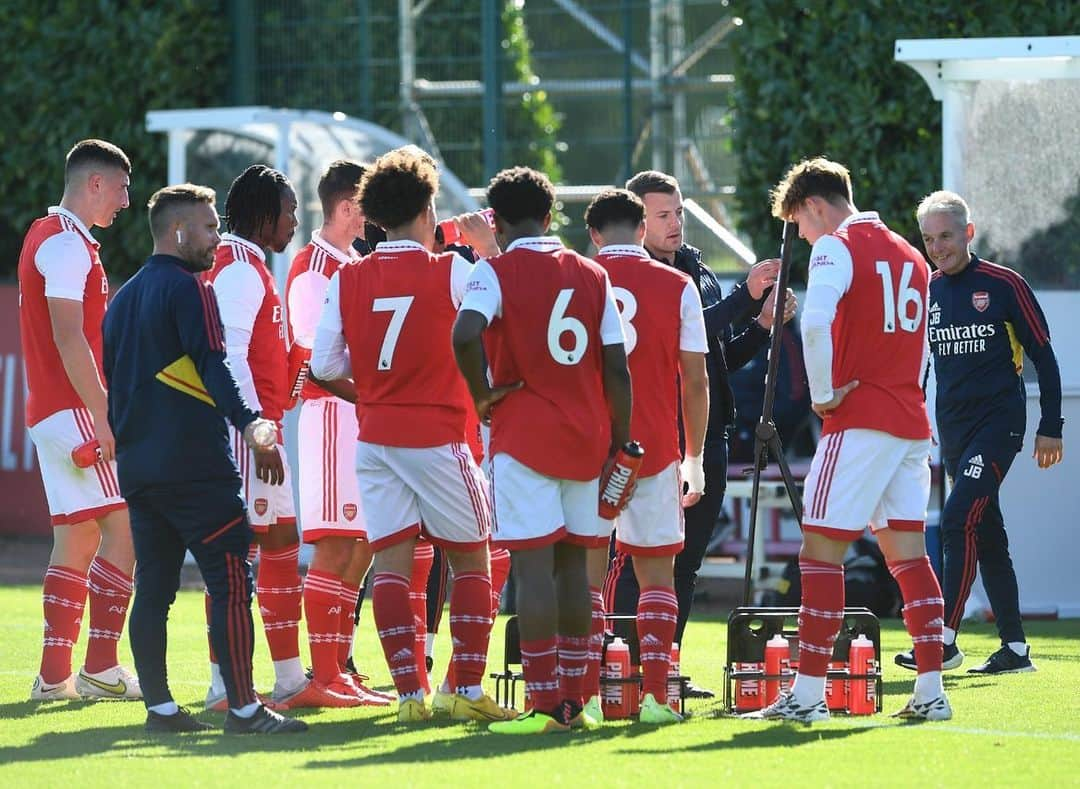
[50, 390]
[650, 297]
[313, 266]
[548, 336]
[879, 334]
[398, 307]
[268, 353]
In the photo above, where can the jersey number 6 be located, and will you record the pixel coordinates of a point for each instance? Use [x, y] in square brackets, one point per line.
[558, 324]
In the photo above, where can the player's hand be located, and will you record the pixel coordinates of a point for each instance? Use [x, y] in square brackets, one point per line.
[477, 233]
[766, 316]
[839, 393]
[692, 471]
[103, 433]
[1048, 451]
[268, 466]
[762, 276]
[494, 395]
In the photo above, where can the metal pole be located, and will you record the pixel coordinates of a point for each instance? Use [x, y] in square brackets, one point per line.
[628, 89]
[363, 14]
[677, 39]
[656, 71]
[492, 105]
[243, 51]
[407, 66]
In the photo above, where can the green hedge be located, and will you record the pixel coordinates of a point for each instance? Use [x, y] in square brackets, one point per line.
[92, 69]
[821, 79]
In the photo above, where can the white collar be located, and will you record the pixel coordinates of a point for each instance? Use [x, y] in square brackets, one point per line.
[401, 245]
[59, 210]
[537, 243]
[859, 216]
[340, 255]
[629, 250]
[229, 238]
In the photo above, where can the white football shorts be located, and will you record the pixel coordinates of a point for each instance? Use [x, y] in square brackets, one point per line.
[652, 523]
[267, 504]
[329, 496]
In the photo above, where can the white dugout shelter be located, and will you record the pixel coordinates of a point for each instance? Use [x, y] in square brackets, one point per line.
[1010, 108]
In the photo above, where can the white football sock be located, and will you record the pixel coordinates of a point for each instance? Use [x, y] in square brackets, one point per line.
[928, 686]
[472, 692]
[948, 636]
[1019, 647]
[246, 711]
[808, 691]
[168, 708]
[217, 684]
[289, 674]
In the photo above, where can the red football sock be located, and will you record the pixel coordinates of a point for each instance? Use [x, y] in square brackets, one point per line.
[322, 604]
[658, 611]
[110, 593]
[280, 592]
[397, 633]
[924, 610]
[820, 614]
[346, 624]
[596, 644]
[423, 558]
[470, 627]
[540, 664]
[63, 596]
[573, 656]
[206, 609]
[500, 571]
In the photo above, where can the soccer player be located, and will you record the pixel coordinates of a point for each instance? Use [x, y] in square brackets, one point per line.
[665, 344]
[727, 351]
[388, 321]
[260, 213]
[983, 318]
[63, 291]
[864, 339]
[170, 398]
[331, 516]
[559, 406]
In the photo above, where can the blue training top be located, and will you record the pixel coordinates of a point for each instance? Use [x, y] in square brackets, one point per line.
[170, 391]
[982, 321]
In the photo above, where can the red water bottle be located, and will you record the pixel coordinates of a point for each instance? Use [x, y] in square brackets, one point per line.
[87, 454]
[615, 697]
[777, 660]
[616, 484]
[673, 684]
[862, 693]
[836, 690]
[749, 693]
[451, 233]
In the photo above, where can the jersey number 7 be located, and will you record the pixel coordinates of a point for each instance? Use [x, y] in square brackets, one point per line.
[399, 306]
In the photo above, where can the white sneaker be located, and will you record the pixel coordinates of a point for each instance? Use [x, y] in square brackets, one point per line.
[64, 691]
[115, 683]
[786, 708]
[937, 709]
[215, 702]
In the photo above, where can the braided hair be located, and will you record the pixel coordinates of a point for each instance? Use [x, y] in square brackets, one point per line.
[254, 200]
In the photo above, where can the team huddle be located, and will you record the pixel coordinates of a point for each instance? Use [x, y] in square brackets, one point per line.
[470, 399]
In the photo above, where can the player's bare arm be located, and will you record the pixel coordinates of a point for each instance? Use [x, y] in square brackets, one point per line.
[66, 316]
[1048, 451]
[339, 387]
[617, 390]
[469, 353]
[694, 380]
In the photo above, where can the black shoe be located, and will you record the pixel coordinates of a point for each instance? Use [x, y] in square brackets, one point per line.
[951, 657]
[179, 722]
[264, 721]
[429, 663]
[1005, 661]
[350, 666]
[695, 692]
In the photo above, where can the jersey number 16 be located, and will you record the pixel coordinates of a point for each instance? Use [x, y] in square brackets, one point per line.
[896, 303]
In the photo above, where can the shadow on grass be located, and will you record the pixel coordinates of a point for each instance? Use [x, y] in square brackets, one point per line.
[33, 709]
[769, 735]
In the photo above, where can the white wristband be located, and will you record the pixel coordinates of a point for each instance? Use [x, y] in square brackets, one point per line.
[692, 470]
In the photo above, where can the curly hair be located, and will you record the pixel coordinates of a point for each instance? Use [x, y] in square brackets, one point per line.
[399, 187]
[521, 193]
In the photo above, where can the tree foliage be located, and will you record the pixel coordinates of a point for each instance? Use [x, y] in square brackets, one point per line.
[74, 70]
[820, 78]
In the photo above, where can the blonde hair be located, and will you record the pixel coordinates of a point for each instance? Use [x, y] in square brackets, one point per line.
[944, 202]
[816, 177]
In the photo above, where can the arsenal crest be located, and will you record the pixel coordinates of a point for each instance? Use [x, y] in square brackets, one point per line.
[349, 510]
[261, 506]
[980, 300]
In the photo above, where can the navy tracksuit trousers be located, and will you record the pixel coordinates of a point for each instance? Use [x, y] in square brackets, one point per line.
[973, 530]
[208, 519]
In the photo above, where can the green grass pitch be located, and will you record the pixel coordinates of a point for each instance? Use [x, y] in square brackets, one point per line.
[1013, 730]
